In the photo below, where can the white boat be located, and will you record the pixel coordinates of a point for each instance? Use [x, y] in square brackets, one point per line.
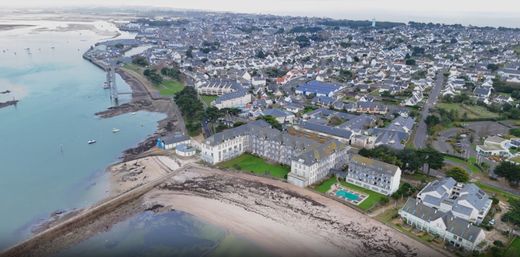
[91, 142]
[133, 113]
[115, 130]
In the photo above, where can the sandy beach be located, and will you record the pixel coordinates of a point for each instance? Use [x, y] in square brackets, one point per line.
[281, 218]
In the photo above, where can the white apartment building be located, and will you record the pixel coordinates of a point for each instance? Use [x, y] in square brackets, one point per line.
[465, 201]
[315, 164]
[450, 228]
[312, 160]
[374, 175]
[237, 99]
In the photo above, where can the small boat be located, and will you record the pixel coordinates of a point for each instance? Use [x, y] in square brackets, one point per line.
[115, 130]
[133, 113]
[91, 142]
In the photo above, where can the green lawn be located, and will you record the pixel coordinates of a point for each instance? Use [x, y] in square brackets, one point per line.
[367, 204]
[495, 190]
[470, 163]
[514, 248]
[516, 159]
[170, 87]
[325, 185]
[133, 67]
[208, 99]
[472, 112]
[257, 165]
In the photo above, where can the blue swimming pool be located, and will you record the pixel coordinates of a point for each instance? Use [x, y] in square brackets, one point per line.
[347, 195]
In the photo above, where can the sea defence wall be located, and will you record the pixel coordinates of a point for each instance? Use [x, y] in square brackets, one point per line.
[41, 244]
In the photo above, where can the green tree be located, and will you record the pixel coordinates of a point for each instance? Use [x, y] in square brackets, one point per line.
[140, 60]
[272, 121]
[513, 215]
[458, 174]
[510, 171]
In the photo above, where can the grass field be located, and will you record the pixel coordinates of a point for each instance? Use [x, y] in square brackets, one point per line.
[514, 248]
[208, 98]
[367, 204]
[516, 159]
[257, 165]
[470, 163]
[501, 194]
[170, 87]
[472, 112]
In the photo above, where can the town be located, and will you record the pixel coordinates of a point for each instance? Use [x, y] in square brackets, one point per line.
[416, 125]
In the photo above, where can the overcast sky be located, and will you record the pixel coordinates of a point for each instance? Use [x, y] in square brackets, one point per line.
[479, 12]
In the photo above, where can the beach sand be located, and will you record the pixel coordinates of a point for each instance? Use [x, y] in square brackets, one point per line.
[281, 218]
[128, 175]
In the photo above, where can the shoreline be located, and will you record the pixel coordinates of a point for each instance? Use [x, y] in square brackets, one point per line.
[280, 218]
[143, 99]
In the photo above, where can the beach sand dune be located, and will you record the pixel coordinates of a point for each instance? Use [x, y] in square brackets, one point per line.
[281, 218]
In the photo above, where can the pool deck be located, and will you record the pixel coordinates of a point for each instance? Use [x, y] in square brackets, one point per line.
[336, 187]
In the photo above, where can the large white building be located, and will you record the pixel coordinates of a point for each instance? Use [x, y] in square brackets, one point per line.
[315, 164]
[449, 228]
[465, 201]
[237, 99]
[374, 175]
[312, 160]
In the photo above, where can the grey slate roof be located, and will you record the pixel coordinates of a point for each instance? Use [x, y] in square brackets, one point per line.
[343, 133]
[373, 164]
[454, 225]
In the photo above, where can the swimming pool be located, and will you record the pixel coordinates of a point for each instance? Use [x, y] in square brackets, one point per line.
[347, 195]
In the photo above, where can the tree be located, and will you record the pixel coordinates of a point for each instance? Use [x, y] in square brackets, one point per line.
[515, 132]
[492, 67]
[431, 121]
[513, 215]
[410, 62]
[510, 171]
[153, 76]
[272, 121]
[405, 190]
[139, 60]
[432, 157]
[458, 174]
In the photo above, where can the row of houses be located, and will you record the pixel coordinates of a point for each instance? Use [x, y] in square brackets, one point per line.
[450, 210]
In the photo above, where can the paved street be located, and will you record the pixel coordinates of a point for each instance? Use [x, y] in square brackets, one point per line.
[421, 134]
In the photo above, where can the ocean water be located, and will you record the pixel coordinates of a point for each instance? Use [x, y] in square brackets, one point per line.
[45, 161]
[164, 234]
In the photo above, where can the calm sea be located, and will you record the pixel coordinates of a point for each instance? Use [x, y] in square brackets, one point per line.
[47, 165]
[45, 161]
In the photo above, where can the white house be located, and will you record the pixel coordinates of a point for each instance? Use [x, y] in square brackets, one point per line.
[465, 201]
[374, 175]
[448, 227]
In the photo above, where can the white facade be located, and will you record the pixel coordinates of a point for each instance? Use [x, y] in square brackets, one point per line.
[235, 102]
[374, 175]
[449, 228]
[305, 174]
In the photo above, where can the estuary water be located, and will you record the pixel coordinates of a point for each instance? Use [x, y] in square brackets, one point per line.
[46, 164]
[45, 161]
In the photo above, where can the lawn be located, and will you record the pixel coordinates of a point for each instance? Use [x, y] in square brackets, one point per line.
[495, 190]
[470, 163]
[367, 204]
[257, 165]
[170, 87]
[516, 159]
[514, 248]
[208, 99]
[472, 112]
[133, 67]
[325, 185]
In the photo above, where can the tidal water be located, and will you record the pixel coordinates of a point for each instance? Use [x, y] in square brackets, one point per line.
[45, 161]
[164, 234]
[47, 165]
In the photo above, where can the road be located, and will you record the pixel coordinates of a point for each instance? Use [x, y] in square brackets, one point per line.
[421, 134]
